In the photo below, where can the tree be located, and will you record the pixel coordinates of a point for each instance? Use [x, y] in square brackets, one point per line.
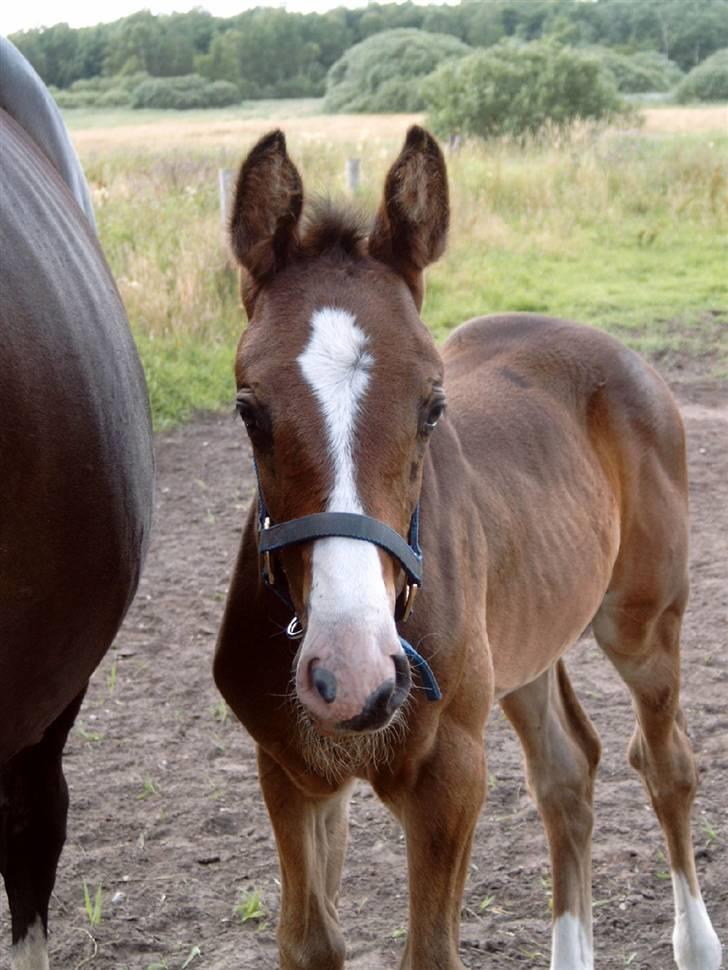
[517, 89]
[384, 72]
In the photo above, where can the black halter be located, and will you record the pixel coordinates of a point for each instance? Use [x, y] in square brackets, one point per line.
[348, 525]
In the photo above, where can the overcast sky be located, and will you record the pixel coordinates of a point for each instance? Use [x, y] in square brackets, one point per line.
[24, 14]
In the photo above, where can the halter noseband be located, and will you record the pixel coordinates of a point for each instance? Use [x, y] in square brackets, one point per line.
[348, 525]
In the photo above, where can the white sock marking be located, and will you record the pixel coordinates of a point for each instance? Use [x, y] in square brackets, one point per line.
[694, 941]
[347, 574]
[31, 953]
[571, 947]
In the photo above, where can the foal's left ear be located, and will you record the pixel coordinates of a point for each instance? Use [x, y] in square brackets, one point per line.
[410, 229]
[265, 213]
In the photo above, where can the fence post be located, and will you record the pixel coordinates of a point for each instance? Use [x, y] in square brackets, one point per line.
[225, 188]
[352, 173]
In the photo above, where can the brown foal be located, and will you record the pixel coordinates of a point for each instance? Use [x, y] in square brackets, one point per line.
[553, 495]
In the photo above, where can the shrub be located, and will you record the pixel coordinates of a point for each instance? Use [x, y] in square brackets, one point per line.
[708, 81]
[516, 90]
[385, 71]
[638, 73]
[184, 92]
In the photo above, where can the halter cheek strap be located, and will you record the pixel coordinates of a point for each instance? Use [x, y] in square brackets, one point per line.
[349, 525]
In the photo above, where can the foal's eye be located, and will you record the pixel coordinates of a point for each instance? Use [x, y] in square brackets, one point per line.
[247, 411]
[433, 413]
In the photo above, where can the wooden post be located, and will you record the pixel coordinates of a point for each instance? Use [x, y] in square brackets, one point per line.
[352, 174]
[225, 178]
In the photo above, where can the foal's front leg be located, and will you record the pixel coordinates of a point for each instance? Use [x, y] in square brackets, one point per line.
[311, 836]
[439, 811]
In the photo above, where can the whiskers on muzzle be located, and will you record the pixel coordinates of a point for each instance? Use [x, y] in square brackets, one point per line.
[338, 757]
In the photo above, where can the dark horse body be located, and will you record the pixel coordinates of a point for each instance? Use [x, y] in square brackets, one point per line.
[76, 475]
[552, 496]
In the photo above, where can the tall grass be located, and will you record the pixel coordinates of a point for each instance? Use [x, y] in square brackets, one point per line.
[624, 230]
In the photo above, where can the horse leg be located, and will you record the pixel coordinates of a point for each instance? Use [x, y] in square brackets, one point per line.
[641, 636]
[311, 834]
[562, 753]
[438, 810]
[33, 810]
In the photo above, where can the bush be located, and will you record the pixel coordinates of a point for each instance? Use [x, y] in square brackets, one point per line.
[638, 73]
[385, 71]
[184, 92]
[516, 90]
[708, 81]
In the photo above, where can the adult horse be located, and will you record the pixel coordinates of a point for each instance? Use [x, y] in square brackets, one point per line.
[552, 496]
[76, 486]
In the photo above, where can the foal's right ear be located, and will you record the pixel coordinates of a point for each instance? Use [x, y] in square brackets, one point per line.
[265, 214]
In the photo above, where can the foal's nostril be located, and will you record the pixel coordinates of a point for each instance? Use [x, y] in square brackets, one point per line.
[325, 683]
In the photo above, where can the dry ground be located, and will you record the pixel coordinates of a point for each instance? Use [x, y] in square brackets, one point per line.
[168, 820]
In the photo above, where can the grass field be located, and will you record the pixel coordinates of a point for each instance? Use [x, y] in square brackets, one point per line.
[627, 230]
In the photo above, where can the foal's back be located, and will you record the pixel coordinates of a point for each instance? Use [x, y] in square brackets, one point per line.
[573, 438]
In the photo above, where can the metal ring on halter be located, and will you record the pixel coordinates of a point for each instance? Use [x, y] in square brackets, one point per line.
[409, 602]
[294, 630]
[267, 567]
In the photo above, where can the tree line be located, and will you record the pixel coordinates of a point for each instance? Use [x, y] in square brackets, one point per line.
[272, 53]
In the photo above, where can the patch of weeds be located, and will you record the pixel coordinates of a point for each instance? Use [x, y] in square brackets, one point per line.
[250, 908]
[83, 732]
[93, 906]
[194, 952]
[662, 873]
[149, 788]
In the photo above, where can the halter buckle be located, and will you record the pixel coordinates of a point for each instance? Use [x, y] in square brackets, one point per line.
[409, 602]
[268, 576]
[294, 630]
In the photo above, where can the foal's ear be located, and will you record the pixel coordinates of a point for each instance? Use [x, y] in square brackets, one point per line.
[410, 229]
[265, 213]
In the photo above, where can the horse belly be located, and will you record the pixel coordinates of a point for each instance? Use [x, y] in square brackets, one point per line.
[545, 592]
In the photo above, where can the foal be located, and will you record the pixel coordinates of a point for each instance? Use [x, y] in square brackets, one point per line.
[552, 496]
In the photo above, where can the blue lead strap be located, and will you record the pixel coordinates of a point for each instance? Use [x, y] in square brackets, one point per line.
[429, 681]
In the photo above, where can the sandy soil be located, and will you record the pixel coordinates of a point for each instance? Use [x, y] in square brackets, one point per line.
[168, 820]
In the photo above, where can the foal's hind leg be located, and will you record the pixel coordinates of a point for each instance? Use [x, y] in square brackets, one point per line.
[562, 753]
[638, 627]
[33, 810]
[311, 834]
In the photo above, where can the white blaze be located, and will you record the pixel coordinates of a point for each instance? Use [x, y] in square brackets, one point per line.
[571, 946]
[31, 953]
[694, 941]
[347, 574]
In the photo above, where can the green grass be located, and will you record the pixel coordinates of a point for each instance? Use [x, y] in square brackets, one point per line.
[626, 231]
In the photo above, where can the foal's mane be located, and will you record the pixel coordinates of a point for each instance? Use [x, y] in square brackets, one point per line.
[330, 228]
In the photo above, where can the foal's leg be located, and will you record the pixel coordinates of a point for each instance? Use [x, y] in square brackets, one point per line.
[311, 837]
[562, 753]
[33, 810]
[643, 643]
[439, 809]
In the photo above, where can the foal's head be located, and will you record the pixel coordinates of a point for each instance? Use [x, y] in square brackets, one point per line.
[340, 386]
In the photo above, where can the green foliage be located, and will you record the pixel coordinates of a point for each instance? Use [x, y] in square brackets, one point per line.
[639, 73]
[517, 90]
[708, 81]
[182, 93]
[384, 72]
[273, 53]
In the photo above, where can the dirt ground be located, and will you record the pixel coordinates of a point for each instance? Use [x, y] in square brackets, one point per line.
[166, 814]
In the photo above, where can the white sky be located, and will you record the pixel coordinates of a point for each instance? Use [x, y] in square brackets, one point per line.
[24, 14]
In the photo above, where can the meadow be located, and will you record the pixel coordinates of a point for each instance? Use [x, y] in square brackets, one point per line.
[625, 229]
